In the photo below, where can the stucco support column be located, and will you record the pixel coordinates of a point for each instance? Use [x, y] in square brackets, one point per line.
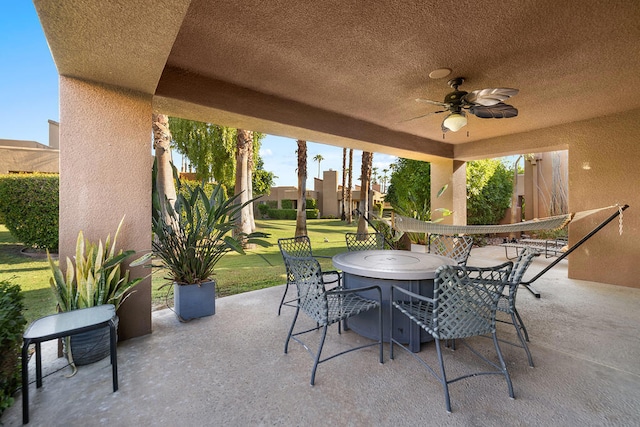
[105, 174]
[453, 174]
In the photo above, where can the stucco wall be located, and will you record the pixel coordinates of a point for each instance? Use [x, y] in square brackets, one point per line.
[105, 174]
[539, 186]
[330, 206]
[18, 159]
[453, 175]
[603, 170]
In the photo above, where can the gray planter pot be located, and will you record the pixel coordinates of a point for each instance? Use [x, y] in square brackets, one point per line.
[193, 301]
[90, 347]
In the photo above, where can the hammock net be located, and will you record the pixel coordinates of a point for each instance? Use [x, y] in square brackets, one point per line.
[412, 225]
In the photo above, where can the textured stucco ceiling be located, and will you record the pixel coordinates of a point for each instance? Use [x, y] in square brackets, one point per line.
[347, 72]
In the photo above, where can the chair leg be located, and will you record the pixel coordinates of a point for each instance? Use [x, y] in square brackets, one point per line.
[443, 377]
[293, 323]
[503, 365]
[521, 324]
[522, 339]
[315, 364]
[286, 289]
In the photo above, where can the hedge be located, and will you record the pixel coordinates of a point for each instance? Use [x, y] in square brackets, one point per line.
[29, 204]
[12, 324]
[291, 213]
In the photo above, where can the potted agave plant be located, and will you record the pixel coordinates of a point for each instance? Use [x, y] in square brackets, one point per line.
[95, 277]
[190, 239]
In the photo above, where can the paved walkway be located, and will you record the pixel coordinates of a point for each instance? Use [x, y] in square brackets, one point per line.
[230, 369]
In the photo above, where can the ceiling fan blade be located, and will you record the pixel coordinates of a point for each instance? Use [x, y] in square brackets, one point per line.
[428, 101]
[424, 115]
[490, 96]
[498, 111]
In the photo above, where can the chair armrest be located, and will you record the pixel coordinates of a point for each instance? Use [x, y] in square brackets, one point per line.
[338, 274]
[410, 294]
[342, 291]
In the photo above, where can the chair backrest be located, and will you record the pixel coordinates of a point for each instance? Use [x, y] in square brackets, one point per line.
[299, 246]
[457, 248]
[517, 273]
[364, 241]
[466, 299]
[306, 273]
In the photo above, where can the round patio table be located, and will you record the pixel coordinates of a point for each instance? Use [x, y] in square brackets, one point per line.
[414, 271]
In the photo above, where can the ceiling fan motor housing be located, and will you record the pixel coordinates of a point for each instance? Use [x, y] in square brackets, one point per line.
[455, 98]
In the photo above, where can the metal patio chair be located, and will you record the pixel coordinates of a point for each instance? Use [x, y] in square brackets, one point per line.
[507, 302]
[457, 248]
[464, 305]
[327, 307]
[364, 241]
[300, 246]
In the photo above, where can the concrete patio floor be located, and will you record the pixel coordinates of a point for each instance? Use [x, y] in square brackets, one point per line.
[230, 369]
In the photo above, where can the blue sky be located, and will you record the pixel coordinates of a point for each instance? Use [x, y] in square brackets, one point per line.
[29, 98]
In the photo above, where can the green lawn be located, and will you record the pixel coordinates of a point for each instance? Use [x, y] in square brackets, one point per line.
[260, 268]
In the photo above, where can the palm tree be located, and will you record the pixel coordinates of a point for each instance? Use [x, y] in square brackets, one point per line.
[349, 199]
[344, 183]
[318, 158]
[367, 161]
[244, 141]
[301, 217]
[162, 146]
[384, 179]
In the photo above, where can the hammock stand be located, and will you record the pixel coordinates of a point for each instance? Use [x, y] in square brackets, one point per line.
[527, 284]
[535, 223]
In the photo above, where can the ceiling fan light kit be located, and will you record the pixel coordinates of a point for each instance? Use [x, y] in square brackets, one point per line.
[484, 103]
[455, 121]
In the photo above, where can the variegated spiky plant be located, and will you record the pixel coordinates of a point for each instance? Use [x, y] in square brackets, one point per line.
[95, 278]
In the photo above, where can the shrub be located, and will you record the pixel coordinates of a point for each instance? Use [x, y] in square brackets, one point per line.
[273, 204]
[282, 214]
[489, 189]
[263, 209]
[286, 204]
[291, 213]
[312, 204]
[12, 324]
[29, 204]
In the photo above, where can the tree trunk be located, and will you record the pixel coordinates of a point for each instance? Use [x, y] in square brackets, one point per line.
[349, 194]
[301, 217]
[244, 138]
[367, 161]
[344, 183]
[250, 165]
[162, 146]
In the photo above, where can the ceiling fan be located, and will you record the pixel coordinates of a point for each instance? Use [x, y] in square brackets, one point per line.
[483, 103]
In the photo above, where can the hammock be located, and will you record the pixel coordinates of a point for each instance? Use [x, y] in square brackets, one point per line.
[412, 225]
[534, 224]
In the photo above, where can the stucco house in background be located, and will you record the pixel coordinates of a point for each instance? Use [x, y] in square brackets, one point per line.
[326, 191]
[18, 156]
[348, 75]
